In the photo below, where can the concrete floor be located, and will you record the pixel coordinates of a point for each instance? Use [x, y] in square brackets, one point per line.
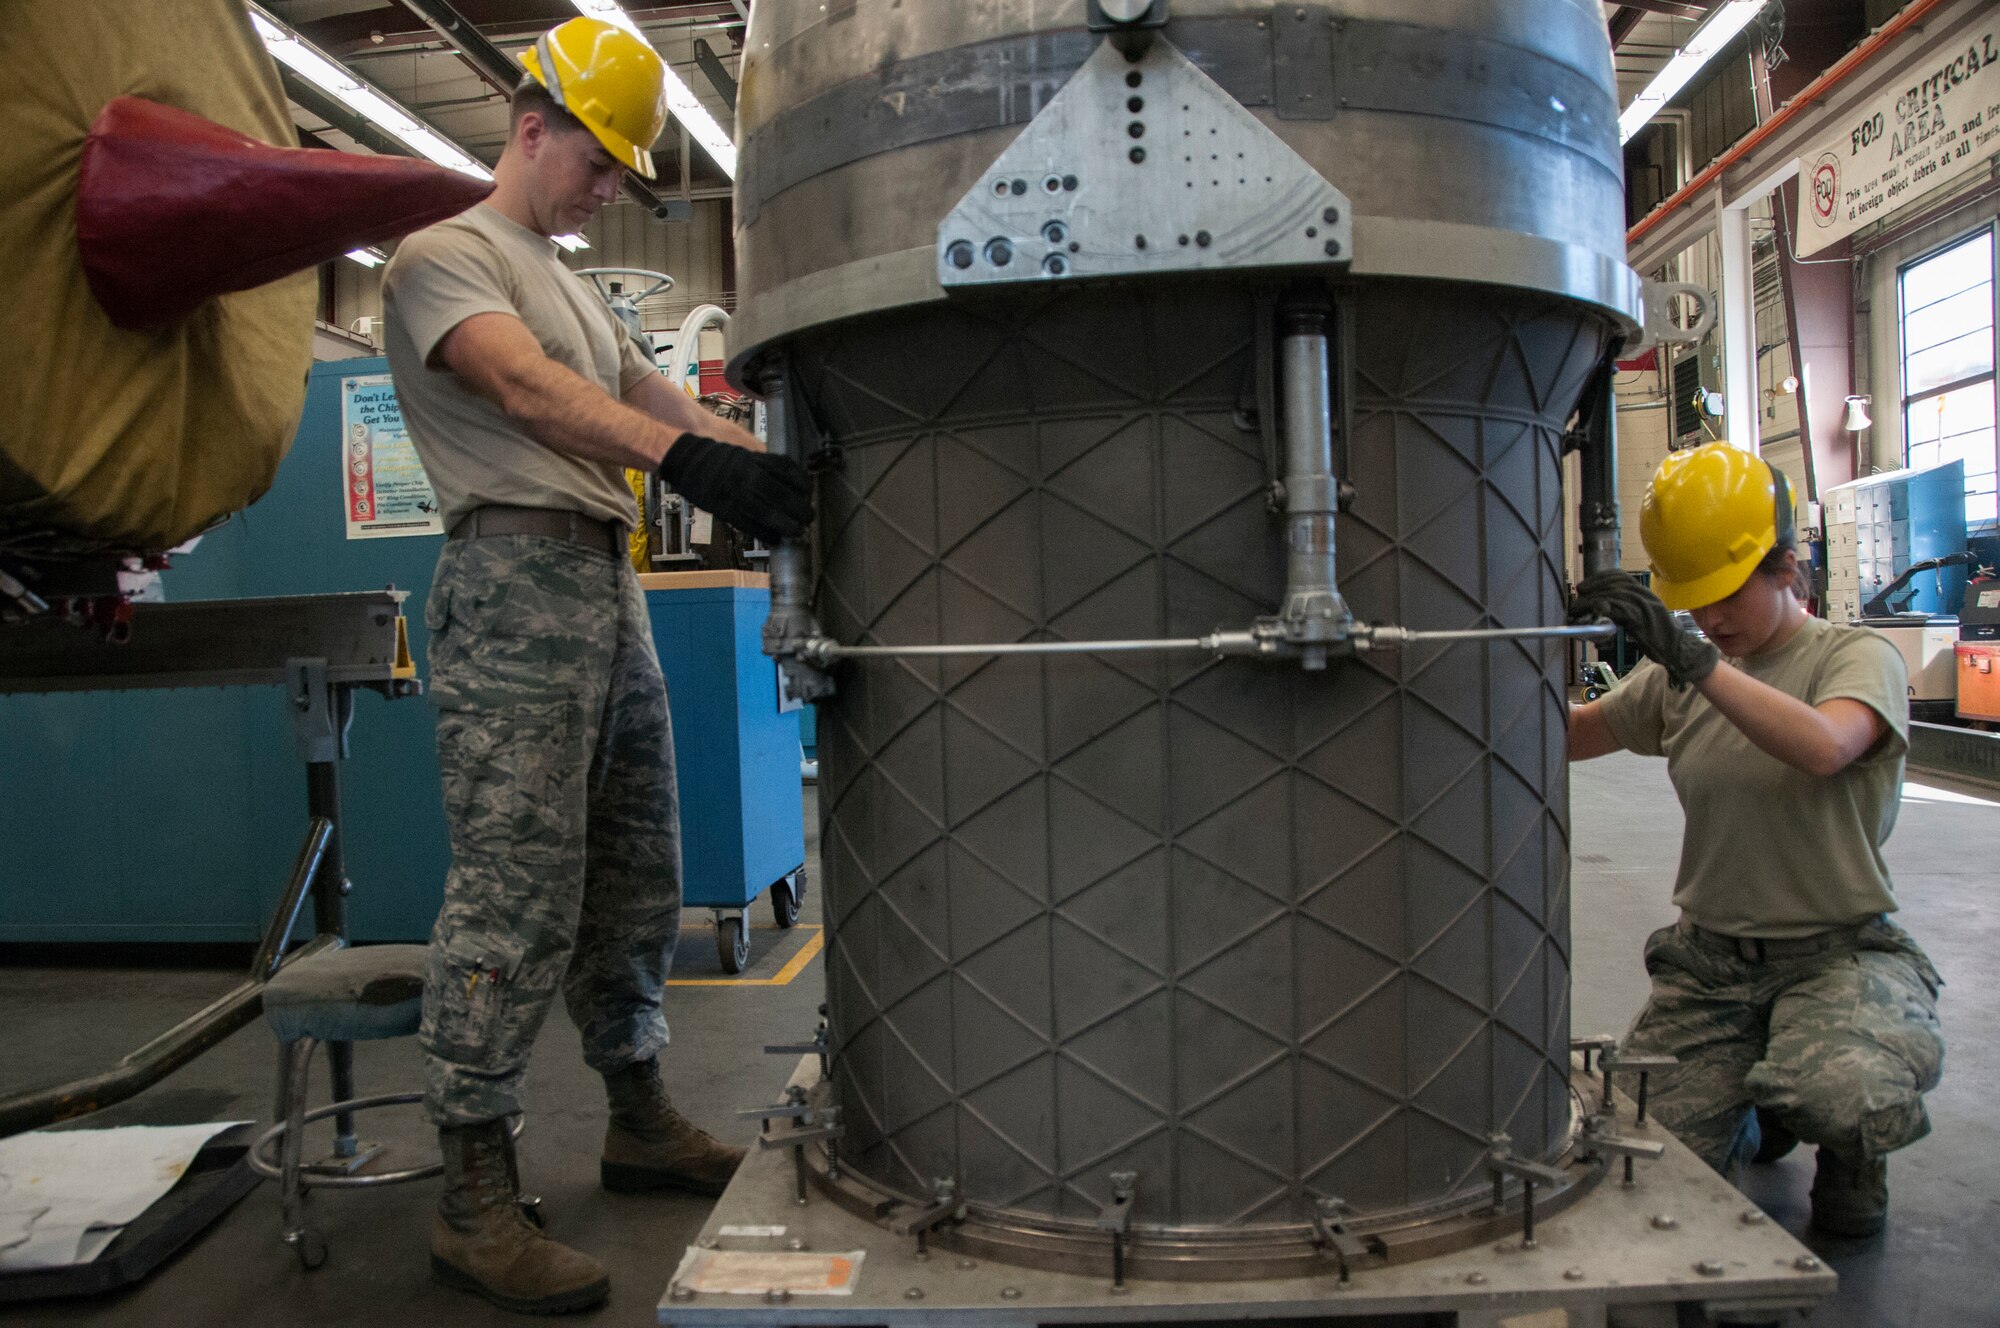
[1935, 1265]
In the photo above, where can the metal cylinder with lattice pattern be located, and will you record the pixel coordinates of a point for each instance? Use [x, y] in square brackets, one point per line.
[1249, 937]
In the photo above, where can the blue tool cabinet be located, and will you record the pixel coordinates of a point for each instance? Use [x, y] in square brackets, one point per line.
[175, 815]
[742, 812]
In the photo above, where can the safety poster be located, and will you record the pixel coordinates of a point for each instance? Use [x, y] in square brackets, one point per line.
[384, 490]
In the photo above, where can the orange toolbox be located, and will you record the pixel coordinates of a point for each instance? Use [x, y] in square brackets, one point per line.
[1978, 679]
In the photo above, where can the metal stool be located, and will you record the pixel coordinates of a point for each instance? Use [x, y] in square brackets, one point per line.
[343, 995]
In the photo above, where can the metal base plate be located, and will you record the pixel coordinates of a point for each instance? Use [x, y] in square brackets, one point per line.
[338, 1164]
[1681, 1234]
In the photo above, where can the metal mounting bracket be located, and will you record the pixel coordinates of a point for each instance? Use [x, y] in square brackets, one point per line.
[1138, 166]
[1600, 1136]
[321, 712]
[1592, 1044]
[1611, 1059]
[1116, 1218]
[816, 1047]
[945, 1206]
[1330, 1227]
[1663, 326]
[811, 1124]
[1500, 1160]
[1129, 25]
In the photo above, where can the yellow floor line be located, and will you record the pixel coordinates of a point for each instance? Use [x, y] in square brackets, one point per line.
[793, 967]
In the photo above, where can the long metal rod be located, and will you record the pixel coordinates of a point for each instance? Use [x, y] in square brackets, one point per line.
[148, 1065]
[831, 651]
[1220, 643]
[1575, 632]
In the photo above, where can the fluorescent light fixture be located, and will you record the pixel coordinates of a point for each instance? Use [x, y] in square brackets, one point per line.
[571, 242]
[367, 257]
[1715, 32]
[316, 68]
[687, 107]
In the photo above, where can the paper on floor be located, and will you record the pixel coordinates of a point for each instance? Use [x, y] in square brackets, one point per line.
[758, 1272]
[65, 1193]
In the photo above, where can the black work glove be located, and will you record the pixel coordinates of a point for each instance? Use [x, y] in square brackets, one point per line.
[1647, 623]
[768, 496]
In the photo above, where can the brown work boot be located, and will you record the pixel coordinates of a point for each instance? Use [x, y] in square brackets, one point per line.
[651, 1146]
[1850, 1200]
[483, 1241]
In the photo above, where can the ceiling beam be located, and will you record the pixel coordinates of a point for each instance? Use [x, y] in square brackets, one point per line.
[1694, 9]
[390, 27]
[717, 73]
[325, 107]
[1623, 20]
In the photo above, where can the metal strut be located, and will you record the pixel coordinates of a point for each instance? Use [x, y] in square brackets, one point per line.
[791, 625]
[1595, 440]
[1314, 618]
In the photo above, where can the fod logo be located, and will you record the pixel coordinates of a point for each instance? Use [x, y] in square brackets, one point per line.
[1825, 189]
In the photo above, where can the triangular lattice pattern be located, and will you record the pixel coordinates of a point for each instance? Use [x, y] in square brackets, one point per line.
[1257, 934]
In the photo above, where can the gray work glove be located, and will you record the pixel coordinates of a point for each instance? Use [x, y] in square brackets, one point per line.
[1647, 623]
[768, 496]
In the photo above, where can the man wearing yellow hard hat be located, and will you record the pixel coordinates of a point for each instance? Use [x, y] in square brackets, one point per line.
[527, 401]
[1798, 1012]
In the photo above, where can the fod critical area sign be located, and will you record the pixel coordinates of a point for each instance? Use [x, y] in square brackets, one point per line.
[1941, 120]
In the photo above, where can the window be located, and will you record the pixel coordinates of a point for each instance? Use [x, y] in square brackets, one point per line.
[1948, 353]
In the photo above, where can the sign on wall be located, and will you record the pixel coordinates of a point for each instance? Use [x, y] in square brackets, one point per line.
[384, 487]
[1937, 123]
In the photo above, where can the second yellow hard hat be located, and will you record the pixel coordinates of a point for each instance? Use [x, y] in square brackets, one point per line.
[1710, 515]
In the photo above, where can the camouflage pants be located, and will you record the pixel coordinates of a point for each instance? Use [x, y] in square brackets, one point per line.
[1840, 1044]
[557, 757]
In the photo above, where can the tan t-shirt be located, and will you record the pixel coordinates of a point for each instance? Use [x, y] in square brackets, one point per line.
[480, 262]
[1771, 851]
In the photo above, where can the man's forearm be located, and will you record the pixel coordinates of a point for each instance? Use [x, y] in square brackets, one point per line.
[657, 396]
[565, 412]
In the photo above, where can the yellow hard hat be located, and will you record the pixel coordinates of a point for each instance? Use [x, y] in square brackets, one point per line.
[1710, 515]
[608, 78]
